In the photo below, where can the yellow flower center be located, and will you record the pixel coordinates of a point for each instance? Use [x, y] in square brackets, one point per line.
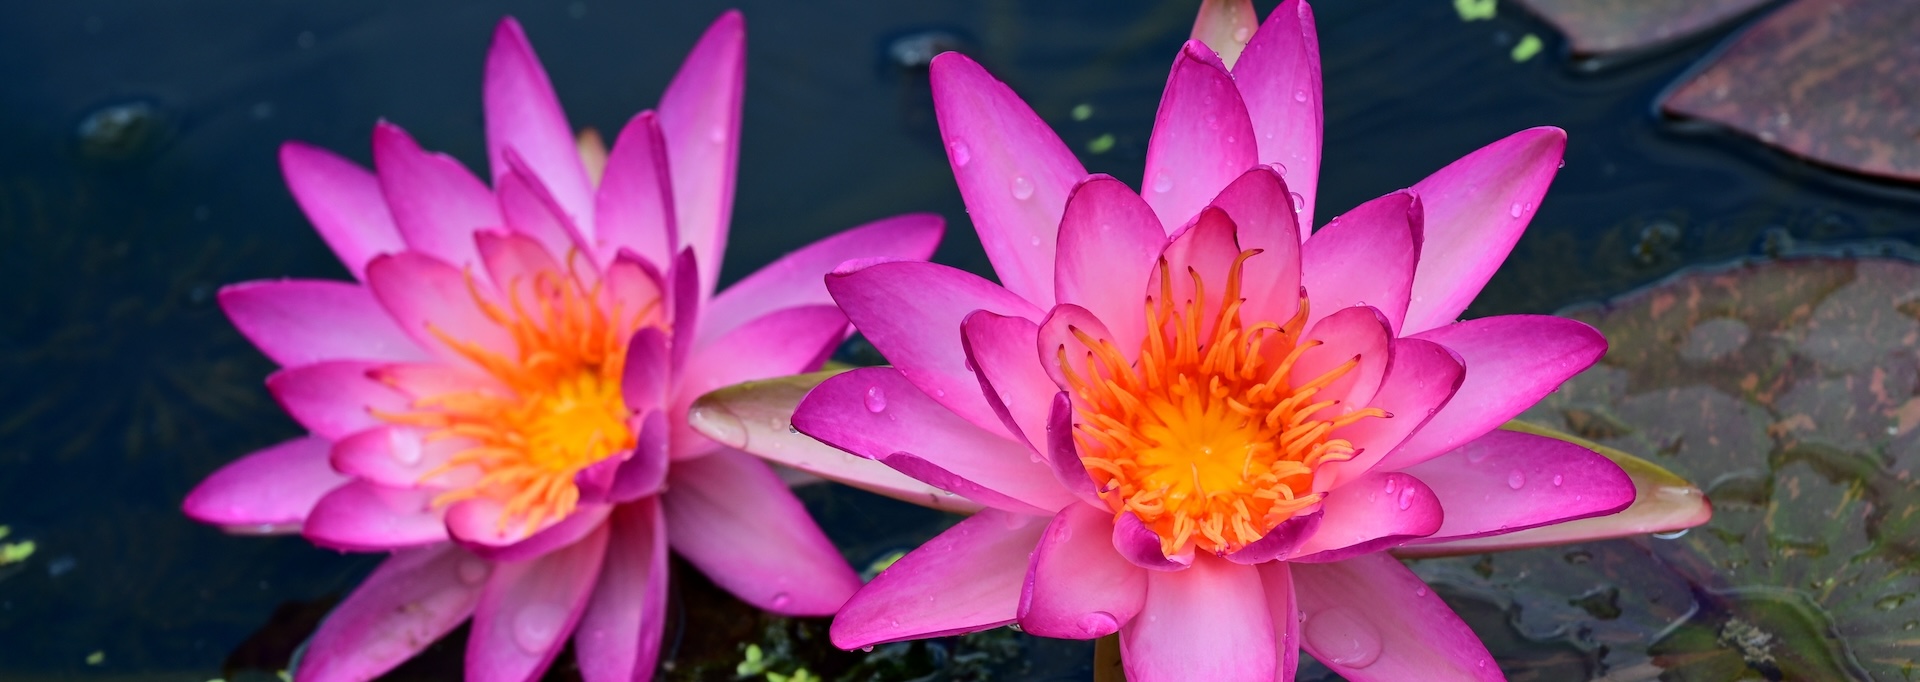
[1207, 438]
[563, 410]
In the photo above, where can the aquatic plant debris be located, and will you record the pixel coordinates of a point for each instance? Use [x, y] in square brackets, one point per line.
[1476, 10]
[1598, 27]
[15, 552]
[97, 657]
[1102, 144]
[1528, 46]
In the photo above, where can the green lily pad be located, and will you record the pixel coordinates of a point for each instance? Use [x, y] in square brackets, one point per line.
[1595, 27]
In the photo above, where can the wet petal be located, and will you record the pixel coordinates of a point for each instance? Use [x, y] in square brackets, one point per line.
[965, 579]
[296, 322]
[364, 517]
[1374, 512]
[734, 519]
[1109, 241]
[344, 203]
[400, 457]
[1225, 26]
[270, 489]
[1279, 79]
[700, 122]
[335, 399]
[524, 116]
[1512, 362]
[1202, 138]
[619, 635]
[799, 278]
[404, 605]
[436, 202]
[529, 607]
[1507, 481]
[1077, 587]
[1365, 257]
[1209, 622]
[1370, 619]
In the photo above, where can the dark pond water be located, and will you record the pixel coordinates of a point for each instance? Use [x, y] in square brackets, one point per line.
[138, 175]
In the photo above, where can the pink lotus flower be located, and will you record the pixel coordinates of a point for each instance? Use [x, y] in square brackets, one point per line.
[501, 400]
[1189, 422]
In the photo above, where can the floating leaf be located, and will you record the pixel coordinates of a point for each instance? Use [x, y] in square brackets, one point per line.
[1601, 26]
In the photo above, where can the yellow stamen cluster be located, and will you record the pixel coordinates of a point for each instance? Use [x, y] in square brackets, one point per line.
[1206, 437]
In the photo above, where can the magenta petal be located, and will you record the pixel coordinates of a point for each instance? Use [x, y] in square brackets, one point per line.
[400, 457]
[799, 278]
[1139, 545]
[1077, 587]
[1512, 362]
[1109, 241]
[1000, 350]
[1060, 342]
[1284, 540]
[1279, 79]
[436, 202]
[779, 343]
[1369, 618]
[1063, 455]
[647, 376]
[513, 260]
[700, 122]
[1421, 378]
[685, 296]
[296, 322]
[344, 203]
[404, 605]
[966, 579]
[644, 470]
[364, 517]
[1202, 138]
[1374, 512]
[1014, 172]
[734, 519]
[529, 607]
[528, 208]
[1365, 257]
[335, 399]
[1276, 577]
[426, 295]
[912, 313]
[271, 489]
[585, 519]
[1262, 212]
[619, 636]
[921, 469]
[1353, 333]
[1476, 209]
[1507, 481]
[1209, 622]
[524, 116]
[1205, 250]
[633, 208]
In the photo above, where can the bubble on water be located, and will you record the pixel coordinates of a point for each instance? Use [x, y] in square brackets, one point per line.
[1675, 535]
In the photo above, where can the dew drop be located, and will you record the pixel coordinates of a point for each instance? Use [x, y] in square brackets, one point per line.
[717, 134]
[876, 400]
[405, 448]
[1476, 454]
[1099, 623]
[867, 649]
[537, 625]
[1406, 498]
[1162, 182]
[1392, 484]
[1242, 34]
[1022, 188]
[1516, 480]
[1034, 241]
[1346, 639]
[1421, 591]
[1280, 168]
[1299, 202]
[795, 430]
[781, 600]
[960, 153]
[1515, 210]
[1675, 535]
[1300, 96]
[1558, 479]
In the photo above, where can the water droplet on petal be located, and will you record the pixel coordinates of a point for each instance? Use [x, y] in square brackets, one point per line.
[472, 571]
[1034, 241]
[1299, 202]
[1557, 480]
[1278, 167]
[1406, 498]
[1343, 637]
[781, 600]
[876, 400]
[1022, 187]
[1300, 96]
[1242, 34]
[1421, 591]
[793, 429]
[1392, 484]
[1516, 480]
[1162, 182]
[537, 625]
[717, 134]
[405, 448]
[960, 153]
[867, 649]
[1099, 623]
[1515, 210]
[1476, 453]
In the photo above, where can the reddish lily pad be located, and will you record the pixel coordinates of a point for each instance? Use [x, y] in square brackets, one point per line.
[1595, 27]
[1834, 81]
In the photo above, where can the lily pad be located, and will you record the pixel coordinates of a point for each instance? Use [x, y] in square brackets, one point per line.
[1595, 27]
[1834, 81]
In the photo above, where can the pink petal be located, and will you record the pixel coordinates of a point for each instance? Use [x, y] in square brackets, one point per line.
[1284, 540]
[912, 313]
[335, 399]
[516, 545]
[684, 303]
[633, 208]
[514, 260]
[1209, 622]
[1077, 587]
[876, 413]
[404, 605]
[1000, 350]
[926, 471]
[529, 607]
[1109, 242]
[640, 472]
[648, 374]
[1225, 26]
[1059, 342]
[1476, 209]
[436, 202]
[1374, 512]
[779, 343]
[1507, 481]
[700, 122]
[1063, 455]
[1014, 172]
[799, 278]
[269, 489]
[1202, 138]
[426, 295]
[1260, 208]
[634, 285]
[297, 322]
[1512, 362]
[966, 579]
[430, 379]
[362, 516]
[528, 208]
[344, 203]
[400, 457]
[524, 116]
[1279, 78]
[1352, 333]
[1276, 577]
[619, 636]
[1369, 618]
[1139, 545]
[1421, 378]
[734, 519]
[1365, 257]
[1203, 250]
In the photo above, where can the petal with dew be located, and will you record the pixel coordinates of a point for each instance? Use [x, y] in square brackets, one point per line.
[524, 118]
[529, 607]
[408, 602]
[734, 519]
[779, 343]
[1476, 208]
[401, 457]
[1421, 378]
[434, 303]
[1202, 138]
[335, 399]
[1512, 362]
[1077, 587]
[1372, 513]
[633, 207]
[362, 516]
[1209, 622]
[965, 579]
[344, 203]
[1109, 241]
[270, 490]
[1365, 257]
[1371, 619]
[296, 322]
[700, 123]
[1000, 350]
[1279, 79]
[436, 202]
[618, 639]
[1507, 481]
[799, 278]
[1262, 214]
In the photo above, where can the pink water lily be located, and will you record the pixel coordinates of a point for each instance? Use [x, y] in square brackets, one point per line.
[1190, 421]
[500, 400]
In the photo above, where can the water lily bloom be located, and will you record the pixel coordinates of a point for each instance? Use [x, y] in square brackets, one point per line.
[1188, 419]
[500, 399]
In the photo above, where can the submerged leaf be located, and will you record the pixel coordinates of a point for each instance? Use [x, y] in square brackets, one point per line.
[1602, 26]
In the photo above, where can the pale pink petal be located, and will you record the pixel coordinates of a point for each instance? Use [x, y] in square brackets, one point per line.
[912, 313]
[1512, 362]
[296, 322]
[1476, 209]
[1276, 577]
[1209, 622]
[529, 209]
[799, 278]
[362, 516]
[1198, 262]
[1202, 138]
[426, 295]
[1284, 540]
[344, 203]
[335, 399]
[633, 208]
[429, 379]
[1138, 544]
[1279, 79]
[1358, 333]
[401, 457]
[529, 607]
[922, 469]
[1000, 350]
[270, 489]
[1060, 341]
[1077, 587]
[1109, 241]
[634, 287]
[1225, 26]
[734, 519]
[619, 636]
[1372, 620]
[1374, 512]
[517, 546]
[876, 413]
[404, 605]
[1260, 208]
[513, 261]
[1365, 257]
[524, 116]
[966, 579]
[1507, 481]
[1014, 172]
[700, 122]
[436, 202]
[1421, 378]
